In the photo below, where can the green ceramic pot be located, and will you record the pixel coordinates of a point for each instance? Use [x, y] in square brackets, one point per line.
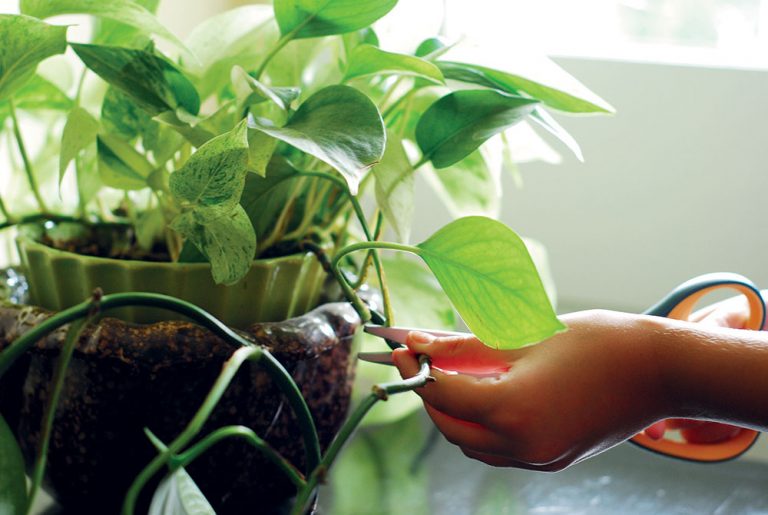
[274, 289]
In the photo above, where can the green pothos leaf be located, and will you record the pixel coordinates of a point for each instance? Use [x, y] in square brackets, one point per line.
[540, 78]
[486, 271]
[13, 482]
[212, 180]
[24, 43]
[111, 32]
[151, 81]
[367, 60]
[251, 91]
[86, 167]
[338, 125]
[458, 123]
[79, 132]
[548, 122]
[228, 242]
[120, 165]
[234, 37]
[394, 187]
[261, 147]
[123, 11]
[178, 494]
[38, 94]
[313, 18]
[471, 186]
[265, 197]
[121, 115]
[150, 225]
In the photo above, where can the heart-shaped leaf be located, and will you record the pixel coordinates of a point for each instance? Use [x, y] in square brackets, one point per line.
[540, 78]
[111, 32]
[178, 494]
[79, 132]
[24, 43]
[461, 121]
[470, 187]
[234, 37]
[265, 197]
[548, 122]
[261, 147]
[367, 60]
[123, 11]
[250, 91]
[228, 242]
[13, 482]
[121, 115]
[39, 94]
[149, 79]
[212, 180]
[312, 18]
[338, 125]
[486, 271]
[394, 187]
[120, 165]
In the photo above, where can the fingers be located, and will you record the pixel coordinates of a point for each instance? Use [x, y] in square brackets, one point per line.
[732, 312]
[458, 350]
[467, 434]
[461, 396]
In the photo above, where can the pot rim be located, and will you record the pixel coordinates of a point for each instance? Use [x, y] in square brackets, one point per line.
[31, 243]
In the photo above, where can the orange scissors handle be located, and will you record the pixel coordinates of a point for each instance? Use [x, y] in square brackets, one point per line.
[679, 305]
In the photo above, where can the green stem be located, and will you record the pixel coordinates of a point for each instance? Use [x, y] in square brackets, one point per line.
[421, 162]
[78, 160]
[362, 276]
[284, 382]
[365, 245]
[80, 84]
[360, 307]
[73, 336]
[274, 50]
[5, 212]
[25, 157]
[282, 378]
[380, 392]
[185, 458]
[193, 427]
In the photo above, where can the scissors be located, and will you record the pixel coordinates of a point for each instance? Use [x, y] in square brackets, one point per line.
[678, 304]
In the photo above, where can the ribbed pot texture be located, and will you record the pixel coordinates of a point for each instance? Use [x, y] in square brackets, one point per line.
[274, 289]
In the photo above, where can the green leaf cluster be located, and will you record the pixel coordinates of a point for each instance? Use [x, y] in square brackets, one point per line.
[272, 127]
[275, 129]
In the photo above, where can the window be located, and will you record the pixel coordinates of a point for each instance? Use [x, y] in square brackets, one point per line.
[707, 32]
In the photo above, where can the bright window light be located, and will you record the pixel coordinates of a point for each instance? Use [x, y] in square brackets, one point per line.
[730, 33]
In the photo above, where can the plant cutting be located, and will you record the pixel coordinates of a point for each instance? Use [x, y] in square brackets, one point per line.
[206, 191]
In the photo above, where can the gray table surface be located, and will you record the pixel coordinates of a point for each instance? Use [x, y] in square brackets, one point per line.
[622, 480]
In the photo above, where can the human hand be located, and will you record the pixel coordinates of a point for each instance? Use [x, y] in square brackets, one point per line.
[547, 406]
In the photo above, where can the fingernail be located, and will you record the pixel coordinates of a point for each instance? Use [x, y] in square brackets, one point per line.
[420, 337]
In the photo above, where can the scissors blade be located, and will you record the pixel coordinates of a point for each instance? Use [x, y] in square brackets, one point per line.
[380, 358]
[400, 334]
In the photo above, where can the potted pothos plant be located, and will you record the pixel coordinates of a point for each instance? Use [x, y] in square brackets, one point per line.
[202, 194]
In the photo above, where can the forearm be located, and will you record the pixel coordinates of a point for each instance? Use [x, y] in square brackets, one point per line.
[713, 373]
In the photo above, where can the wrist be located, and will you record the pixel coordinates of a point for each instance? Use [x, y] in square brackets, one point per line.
[711, 372]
